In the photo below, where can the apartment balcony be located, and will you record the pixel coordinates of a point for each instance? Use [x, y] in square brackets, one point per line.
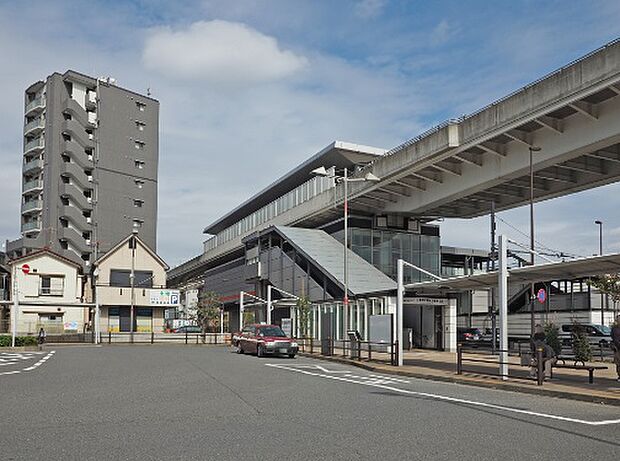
[76, 196]
[78, 133]
[32, 186]
[74, 236]
[36, 105]
[32, 206]
[34, 127]
[74, 214]
[31, 227]
[32, 166]
[35, 144]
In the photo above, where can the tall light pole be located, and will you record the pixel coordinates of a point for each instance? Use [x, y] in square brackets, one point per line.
[321, 171]
[532, 149]
[599, 223]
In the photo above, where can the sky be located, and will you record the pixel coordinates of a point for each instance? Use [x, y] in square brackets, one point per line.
[249, 89]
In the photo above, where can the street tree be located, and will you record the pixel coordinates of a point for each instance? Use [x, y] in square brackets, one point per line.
[608, 284]
[208, 310]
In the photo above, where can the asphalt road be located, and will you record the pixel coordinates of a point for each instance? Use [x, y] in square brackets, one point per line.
[197, 402]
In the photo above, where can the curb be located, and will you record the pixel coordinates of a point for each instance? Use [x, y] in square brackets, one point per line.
[464, 380]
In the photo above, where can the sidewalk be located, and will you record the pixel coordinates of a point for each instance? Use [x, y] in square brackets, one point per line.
[441, 366]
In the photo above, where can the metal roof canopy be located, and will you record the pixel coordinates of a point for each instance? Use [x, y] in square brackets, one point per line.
[576, 268]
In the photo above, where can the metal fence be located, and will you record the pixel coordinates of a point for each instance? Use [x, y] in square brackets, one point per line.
[477, 361]
[355, 350]
[168, 338]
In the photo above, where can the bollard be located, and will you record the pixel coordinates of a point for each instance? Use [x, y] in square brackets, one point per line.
[109, 337]
[186, 336]
[152, 337]
[459, 359]
[540, 365]
[311, 346]
[369, 352]
[359, 350]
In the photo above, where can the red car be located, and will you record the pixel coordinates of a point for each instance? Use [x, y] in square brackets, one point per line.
[264, 340]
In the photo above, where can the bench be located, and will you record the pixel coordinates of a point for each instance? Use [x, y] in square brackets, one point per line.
[575, 366]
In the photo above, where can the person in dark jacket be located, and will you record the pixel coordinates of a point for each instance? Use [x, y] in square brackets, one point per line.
[615, 344]
[539, 340]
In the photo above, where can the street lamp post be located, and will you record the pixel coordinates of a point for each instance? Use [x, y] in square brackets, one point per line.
[532, 149]
[322, 171]
[599, 223]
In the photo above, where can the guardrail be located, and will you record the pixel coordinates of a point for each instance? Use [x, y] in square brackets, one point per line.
[355, 350]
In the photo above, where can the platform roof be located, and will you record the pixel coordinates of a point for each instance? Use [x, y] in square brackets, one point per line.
[563, 270]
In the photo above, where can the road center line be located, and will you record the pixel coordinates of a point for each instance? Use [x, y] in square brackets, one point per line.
[449, 399]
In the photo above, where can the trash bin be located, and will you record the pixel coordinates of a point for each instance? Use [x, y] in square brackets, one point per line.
[354, 337]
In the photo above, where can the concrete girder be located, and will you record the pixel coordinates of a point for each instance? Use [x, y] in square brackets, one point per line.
[386, 188]
[369, 202]
[453, 169]
[585, 108]
[525, 184]
[470, 158]
[598, 155]
[507, 191]
[493, 148]
[554, 175]
[402, 182]
[437, 178]
[383, 196]
[554, 124]
[582, 167]
[520, 136]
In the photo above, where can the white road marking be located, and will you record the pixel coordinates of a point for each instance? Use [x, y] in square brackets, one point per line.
[32, 367]
[450, 399]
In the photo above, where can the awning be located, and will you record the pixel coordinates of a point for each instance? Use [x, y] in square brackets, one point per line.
[563, 270]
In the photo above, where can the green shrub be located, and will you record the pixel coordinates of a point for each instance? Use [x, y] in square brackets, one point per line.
[5, 341]
[552, 337]
[581, 345]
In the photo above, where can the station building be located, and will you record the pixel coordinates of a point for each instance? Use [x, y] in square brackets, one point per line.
[556, 136]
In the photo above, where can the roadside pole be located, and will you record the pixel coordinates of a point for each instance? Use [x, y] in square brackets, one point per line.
[241, 310]
[268, 304]
[503, 306]
[399, 311]
[15, 307]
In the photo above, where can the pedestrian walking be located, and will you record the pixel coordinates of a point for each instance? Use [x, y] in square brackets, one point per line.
[41, 338]
[539, 341]
[615, 344]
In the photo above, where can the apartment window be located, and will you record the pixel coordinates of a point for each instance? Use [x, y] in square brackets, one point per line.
[139, 183]
[122, 278]
[66, 158]
[67, 116]
[140, 125]
[64, 201]
[51, 285]
[139, 144]
[64, 222]
[66, 137]
[65, 179]
[141, 106]
[138, 203]
[139, 164]
[137, 223]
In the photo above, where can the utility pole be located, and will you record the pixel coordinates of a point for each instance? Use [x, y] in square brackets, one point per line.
[132, 277]
[493, 291]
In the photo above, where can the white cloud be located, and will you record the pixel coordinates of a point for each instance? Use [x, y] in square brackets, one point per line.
[219, 52]
[442, 33]
[369, 8]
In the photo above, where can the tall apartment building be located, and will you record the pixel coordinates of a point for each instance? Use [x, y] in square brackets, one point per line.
[89, 172]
